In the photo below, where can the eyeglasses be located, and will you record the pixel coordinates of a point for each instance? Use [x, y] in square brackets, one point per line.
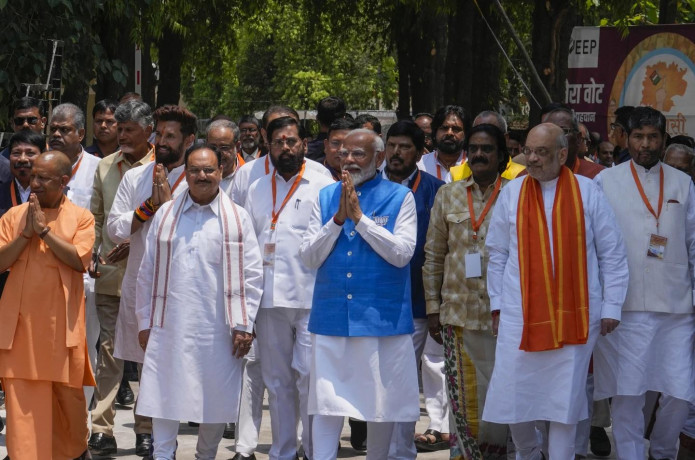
[249, 130]
[568, 131]
[539, 151]
[485, 148]
[196, 171]
[356, 154]
[19, 121]
[279, 143]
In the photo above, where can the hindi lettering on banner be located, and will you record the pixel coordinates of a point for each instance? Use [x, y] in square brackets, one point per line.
[573, 93]
[593, 92]
[584, 117]
[676, 126]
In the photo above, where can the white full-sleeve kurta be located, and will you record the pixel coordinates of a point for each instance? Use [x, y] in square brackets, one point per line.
[189, 372]
[368, 378]
[288, 283]
[548, 385]
[135, 187]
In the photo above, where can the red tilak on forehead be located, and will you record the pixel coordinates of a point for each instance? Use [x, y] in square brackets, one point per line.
[284, 137]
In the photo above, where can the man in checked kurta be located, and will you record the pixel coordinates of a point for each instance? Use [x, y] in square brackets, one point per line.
[46, 243]
[557, 274]
[199, 287]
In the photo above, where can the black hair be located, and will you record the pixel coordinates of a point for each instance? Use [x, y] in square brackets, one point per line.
[104, 105]
[410, 129]
[27, 136]
[496, 133]
[646, 116]
[283, 122]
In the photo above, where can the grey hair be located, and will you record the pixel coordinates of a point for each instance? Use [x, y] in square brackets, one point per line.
[68, 110]
[681, 147]
[489, 113]
[223, 124]
[134, 110]
[377, 143]
[561, 141]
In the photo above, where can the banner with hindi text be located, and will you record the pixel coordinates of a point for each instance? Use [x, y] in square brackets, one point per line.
[652, 66]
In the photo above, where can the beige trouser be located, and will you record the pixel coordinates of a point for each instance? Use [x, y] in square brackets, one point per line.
[109, 372]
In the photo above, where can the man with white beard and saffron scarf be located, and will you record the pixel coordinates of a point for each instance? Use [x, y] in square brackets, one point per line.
[198, 291]
[361, 237]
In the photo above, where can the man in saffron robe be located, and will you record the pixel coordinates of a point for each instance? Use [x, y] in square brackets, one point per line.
[46, 243]
[557, 277]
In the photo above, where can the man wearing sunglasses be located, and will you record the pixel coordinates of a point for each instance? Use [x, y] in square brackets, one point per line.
[26, 114]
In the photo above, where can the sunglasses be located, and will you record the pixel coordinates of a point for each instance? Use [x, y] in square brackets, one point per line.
[19, 121]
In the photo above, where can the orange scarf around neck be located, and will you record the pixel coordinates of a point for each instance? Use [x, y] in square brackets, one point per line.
[554, 288]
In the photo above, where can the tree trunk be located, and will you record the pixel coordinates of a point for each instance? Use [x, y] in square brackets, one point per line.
[170, 60]
[668, 11]
[114, 34]
[553, 21]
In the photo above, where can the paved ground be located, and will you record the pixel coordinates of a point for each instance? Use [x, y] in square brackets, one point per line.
[188, 436]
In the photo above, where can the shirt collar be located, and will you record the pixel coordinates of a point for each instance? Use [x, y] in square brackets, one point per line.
[20, 188]
[213, 205]
[644, 171]
[404, 182]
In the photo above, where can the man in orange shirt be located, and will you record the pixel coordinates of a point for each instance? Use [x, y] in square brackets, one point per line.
[46, 243]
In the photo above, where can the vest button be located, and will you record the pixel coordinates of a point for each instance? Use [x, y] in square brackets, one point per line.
[349, 275]
[352, 233]
[349, 296]
[349, 253]
[359, 193]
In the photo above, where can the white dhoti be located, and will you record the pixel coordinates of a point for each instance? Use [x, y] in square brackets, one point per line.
[367, 378]
[648, 351]
[546, 385]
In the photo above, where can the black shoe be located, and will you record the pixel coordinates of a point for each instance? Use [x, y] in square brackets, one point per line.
[241, 457]
[2, 424]
[143, 443]
[125, 396]
[102, 444]
[229, 429]
[358, 435]
[598, 441]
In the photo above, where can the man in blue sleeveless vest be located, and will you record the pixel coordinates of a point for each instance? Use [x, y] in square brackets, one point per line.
[404, 144]
[361, 237]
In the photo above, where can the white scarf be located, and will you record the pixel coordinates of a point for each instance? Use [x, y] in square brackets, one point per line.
[232, 261]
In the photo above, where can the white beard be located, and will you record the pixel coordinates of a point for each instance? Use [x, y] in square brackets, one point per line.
[363, 175]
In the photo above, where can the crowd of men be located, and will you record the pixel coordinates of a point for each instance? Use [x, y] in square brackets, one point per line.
[541, 283]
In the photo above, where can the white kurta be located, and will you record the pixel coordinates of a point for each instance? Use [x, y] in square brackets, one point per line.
[548, 385]
[135, 187]
[81, 184]
[368, 378]
[189, 372]
[430, 164]
[254, 170]
[288, 283]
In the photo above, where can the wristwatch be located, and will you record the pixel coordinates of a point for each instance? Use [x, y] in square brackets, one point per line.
[44, 232]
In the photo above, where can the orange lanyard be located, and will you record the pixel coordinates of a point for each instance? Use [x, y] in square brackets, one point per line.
[77, 166]
[644, 196]
[295, 184]
[477, 223]
[417, 182]
[439, 167]
[13, 194]
[267, 164]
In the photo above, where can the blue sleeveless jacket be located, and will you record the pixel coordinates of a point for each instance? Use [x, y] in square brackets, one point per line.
[357, 293]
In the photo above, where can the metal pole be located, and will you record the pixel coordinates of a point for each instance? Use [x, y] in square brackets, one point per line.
[520, 45]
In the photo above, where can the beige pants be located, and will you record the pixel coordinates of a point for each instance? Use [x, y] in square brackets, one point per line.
[109, 372]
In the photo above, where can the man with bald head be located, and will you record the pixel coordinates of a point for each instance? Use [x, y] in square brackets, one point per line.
[361, 237]
[552, 299]
[46, 243]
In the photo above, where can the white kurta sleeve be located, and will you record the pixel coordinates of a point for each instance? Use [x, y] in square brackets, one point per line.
[690, 235]
[497, 244]
[253, 270]
[319, 240]
[396, 248]
[611, 253]
[143, 289]
[120, 217]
